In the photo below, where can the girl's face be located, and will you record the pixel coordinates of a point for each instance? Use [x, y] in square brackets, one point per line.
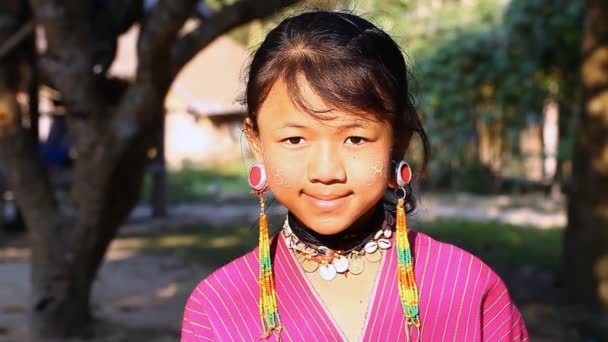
[329, 173]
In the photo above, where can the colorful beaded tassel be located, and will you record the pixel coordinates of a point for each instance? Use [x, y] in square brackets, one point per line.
[269, 314]
[408, 291]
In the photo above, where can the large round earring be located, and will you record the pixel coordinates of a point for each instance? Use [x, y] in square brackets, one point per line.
[403, 173]
[257, 178]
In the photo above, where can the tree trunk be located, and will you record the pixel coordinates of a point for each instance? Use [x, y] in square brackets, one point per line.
[61, 308]
[585, 257]
[112, 125]
[65, 265]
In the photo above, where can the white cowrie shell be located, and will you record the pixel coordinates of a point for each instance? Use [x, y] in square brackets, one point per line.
[384, 244]
[371, 247]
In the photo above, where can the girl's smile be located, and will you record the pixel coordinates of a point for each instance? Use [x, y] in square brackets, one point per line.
[326, 202]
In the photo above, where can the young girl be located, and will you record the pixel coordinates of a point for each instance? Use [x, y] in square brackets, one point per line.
[329, 121]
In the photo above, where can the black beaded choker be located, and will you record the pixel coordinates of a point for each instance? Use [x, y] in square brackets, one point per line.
[350, 238]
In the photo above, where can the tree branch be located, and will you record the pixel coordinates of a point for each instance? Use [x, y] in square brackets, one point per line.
[219, 23]
[68, 60]
[159, 30]
[17, 38]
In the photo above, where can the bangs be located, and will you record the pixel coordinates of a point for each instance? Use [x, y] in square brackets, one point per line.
[341, 86]
[341, 83]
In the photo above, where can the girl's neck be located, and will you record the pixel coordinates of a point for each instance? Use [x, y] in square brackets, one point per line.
[346, 240]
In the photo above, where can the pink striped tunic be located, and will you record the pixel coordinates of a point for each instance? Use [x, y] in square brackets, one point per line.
[461, 299]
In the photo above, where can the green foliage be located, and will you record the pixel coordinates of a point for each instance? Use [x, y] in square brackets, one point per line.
[475, 178]
[499, 75]
[422, 35]
[193, 184]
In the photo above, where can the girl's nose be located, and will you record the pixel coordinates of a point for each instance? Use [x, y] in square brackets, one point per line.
[325, 165]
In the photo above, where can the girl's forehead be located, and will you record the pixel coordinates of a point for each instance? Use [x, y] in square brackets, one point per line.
[279, 109]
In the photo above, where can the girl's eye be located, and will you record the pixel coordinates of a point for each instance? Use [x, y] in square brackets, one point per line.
[294, 140]
[355, 140]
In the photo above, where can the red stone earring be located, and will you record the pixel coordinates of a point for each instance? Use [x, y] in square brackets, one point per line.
[403, 173]
[258, 180]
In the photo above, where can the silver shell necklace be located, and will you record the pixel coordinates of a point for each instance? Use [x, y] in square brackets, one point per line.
[316, 256]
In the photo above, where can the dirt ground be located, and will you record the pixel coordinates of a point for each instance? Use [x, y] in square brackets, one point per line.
[140, 297]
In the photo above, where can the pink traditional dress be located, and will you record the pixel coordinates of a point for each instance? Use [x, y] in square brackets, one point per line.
[461, 299]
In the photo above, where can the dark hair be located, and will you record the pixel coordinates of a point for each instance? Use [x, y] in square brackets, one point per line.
[346, 60]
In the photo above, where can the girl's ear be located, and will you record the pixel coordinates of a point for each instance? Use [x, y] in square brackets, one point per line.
[253, 138]
[392, 181]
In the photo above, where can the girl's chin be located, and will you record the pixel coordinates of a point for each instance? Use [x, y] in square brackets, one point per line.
[327, 226]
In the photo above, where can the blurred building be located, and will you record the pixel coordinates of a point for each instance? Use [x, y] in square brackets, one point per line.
[203, 118]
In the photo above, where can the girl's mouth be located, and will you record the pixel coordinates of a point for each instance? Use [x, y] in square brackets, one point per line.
[326, 202]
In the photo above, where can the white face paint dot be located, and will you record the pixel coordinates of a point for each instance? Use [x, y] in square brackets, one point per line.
[376, 172]
[279, 177]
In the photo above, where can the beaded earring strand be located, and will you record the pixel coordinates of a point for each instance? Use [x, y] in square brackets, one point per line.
[408, 290]
[269, 314]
